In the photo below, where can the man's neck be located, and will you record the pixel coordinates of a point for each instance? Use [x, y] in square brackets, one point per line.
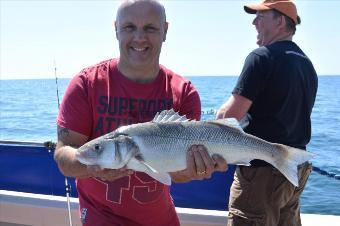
[139, 75]
[283, 37]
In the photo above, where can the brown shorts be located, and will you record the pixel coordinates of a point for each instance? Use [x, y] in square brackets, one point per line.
[262, 196]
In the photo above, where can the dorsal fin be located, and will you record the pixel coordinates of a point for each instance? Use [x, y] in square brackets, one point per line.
[230, 122]
[169, 116]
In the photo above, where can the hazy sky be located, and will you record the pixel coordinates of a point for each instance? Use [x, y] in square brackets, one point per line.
[204, 37]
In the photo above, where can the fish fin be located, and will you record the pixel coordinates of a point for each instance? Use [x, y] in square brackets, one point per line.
[161, 177]
[139, 164]
[287, 163]
[161, 115]
[169, 116]
[150, 168]
[142, 166]
[230, 122]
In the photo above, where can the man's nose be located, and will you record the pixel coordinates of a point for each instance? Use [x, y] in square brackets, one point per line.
[255, 21]
[139, 34]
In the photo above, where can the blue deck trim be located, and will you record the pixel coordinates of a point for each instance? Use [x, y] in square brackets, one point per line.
[29, 168]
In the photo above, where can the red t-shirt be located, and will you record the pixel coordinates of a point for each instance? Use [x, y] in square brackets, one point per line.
[97, 101]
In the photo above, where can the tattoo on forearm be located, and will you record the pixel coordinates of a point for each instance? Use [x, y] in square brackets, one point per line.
[66, 137]
[62, 132]
[62, 160]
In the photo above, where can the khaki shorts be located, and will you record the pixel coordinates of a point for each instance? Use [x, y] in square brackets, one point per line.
[262, 196]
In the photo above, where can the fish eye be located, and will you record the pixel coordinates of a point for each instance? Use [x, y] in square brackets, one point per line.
[97, 147]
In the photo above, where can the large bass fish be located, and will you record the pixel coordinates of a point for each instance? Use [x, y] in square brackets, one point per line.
[160, 146]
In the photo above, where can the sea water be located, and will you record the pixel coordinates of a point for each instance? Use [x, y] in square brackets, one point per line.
[28, 110]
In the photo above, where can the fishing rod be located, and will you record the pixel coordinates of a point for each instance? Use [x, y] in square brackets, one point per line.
[67, 186]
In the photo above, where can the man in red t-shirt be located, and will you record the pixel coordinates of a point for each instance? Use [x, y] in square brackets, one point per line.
[123, 91]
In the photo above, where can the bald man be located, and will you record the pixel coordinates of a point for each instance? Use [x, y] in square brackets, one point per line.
[122, 91]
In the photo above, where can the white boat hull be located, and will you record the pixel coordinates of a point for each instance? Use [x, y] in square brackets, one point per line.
[27, 209]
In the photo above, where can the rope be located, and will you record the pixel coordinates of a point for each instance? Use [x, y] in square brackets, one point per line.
[325, 173]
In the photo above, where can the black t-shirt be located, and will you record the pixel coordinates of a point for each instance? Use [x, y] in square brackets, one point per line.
[281, 82]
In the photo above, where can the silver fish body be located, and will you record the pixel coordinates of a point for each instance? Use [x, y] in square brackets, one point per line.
[160, 146]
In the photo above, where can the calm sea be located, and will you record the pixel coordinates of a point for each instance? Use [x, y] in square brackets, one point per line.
[28, 109]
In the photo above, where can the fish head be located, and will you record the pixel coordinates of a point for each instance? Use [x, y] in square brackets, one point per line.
[111, 151]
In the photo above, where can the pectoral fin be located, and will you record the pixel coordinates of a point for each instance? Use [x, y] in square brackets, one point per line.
[140, 165]
[161, 177]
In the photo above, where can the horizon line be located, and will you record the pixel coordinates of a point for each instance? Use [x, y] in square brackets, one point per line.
[68, 77]
[48, 78]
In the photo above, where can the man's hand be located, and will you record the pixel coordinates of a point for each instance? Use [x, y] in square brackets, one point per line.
[108, 174]
[199, 165]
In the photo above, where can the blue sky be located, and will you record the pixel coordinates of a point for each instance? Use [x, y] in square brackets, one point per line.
[204, 37]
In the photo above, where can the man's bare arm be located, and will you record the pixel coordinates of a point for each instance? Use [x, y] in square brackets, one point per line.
[236, 107]
[65, 153]
[65, 156]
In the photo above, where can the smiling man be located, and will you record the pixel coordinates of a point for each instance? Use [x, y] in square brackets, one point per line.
[277, 89]
[116, 92]
[141, 29]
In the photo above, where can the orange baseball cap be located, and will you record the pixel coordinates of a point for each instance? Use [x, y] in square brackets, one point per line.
[287, 7]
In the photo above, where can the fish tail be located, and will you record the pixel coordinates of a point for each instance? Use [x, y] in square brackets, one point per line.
[288, 162]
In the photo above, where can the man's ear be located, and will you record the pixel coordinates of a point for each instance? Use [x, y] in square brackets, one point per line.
[166, 25]
[116, 30]
[282, 22]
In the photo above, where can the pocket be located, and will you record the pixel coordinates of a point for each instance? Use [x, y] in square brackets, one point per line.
[282, 189]
[244, 191]
[246, 174]
[278, 180]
